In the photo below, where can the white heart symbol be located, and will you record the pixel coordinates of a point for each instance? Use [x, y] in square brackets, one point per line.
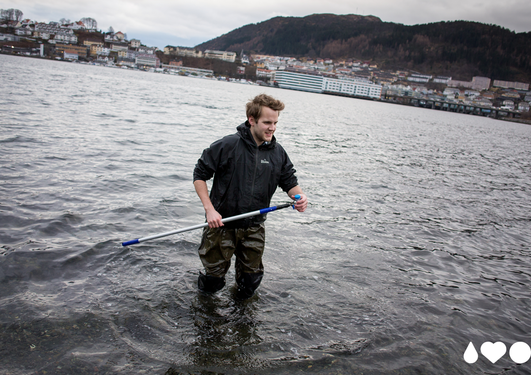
[493, 352]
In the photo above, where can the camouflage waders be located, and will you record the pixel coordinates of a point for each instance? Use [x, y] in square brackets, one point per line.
[218, 245]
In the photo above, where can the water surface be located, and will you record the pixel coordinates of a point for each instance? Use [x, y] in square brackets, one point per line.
[415, 243]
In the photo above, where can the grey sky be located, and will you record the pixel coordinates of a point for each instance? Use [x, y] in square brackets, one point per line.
[188, 23]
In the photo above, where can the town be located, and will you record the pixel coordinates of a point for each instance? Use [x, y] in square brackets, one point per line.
[80, 41]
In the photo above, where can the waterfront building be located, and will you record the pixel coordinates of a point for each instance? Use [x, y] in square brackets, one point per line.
[126, 61]
[70, 55]
[99, 50]
[358, 87]
[352, 87]
[145, 60]
[177, 67]
[264, 73]
[70, 50]
[286, 79]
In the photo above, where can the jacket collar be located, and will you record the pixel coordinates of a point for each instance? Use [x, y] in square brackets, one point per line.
[244, 130]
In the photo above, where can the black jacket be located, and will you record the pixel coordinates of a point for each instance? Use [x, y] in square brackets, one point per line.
[245, 176]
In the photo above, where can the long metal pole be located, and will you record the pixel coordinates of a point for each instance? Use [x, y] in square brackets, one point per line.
[226, 220]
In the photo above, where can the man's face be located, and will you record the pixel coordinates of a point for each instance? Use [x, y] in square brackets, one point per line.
[263, 129]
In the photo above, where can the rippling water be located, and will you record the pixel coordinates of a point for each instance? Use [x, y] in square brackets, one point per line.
[416, 241]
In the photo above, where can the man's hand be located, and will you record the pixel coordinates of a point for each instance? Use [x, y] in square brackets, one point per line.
[301, 203]
[213, 218]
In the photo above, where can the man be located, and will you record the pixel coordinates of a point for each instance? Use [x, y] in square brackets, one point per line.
[247, 168]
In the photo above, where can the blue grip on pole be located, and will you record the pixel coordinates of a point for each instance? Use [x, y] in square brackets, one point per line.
[297, 197]
[266, 210]
[132, 242]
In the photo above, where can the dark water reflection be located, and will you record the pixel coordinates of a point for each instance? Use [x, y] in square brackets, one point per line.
[416, 241]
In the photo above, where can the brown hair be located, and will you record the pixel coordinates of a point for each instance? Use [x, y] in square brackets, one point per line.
[254, 106]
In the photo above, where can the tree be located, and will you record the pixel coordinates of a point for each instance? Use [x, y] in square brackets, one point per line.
[11, 14]
[90, 23]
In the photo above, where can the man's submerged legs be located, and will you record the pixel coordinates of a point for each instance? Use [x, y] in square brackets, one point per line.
[247, 284]
[210, 284]
[218, 246]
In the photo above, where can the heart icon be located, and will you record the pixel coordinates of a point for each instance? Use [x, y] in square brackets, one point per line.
[493, 351]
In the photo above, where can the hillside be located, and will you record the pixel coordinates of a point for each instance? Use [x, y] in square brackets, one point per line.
[460, 49]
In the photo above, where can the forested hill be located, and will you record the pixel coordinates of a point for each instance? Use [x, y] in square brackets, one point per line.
[460, 49]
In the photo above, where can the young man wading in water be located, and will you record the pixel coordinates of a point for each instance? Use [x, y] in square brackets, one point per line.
[247, 168]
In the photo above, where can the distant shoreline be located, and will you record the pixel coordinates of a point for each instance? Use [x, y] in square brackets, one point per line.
[382, 100]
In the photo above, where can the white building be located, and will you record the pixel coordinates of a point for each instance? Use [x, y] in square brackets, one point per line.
[419, 78]
[511, 85]
[353, 87]
[65, 35]
[298, 81]
[523, 107]
[99, 50]
[508, 104]
[24, 31]
[441, 79]
[134, 43]
[147, 60]
[146, 50]
[286, 79]
[480, 83]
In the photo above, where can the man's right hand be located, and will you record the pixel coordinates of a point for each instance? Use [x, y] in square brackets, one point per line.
[213, 218]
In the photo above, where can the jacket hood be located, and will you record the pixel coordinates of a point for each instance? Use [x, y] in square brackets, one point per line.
[244, 131]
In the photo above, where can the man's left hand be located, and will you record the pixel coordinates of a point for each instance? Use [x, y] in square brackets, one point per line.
[301, 203]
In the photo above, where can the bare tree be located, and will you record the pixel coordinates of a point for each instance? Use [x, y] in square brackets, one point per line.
[90, 23]
[18, 15]
[11, 14]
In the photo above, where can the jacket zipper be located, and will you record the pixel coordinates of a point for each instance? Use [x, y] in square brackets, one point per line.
[254, 176]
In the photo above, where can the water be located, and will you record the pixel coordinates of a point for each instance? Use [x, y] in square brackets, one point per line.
[415, 243]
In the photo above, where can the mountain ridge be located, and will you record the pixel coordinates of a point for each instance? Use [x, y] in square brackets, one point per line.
[460, 49]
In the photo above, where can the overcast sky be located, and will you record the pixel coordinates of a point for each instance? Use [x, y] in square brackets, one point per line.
[191, 22]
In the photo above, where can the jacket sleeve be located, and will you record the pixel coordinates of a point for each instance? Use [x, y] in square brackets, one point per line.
[207, 164]
[288, 179]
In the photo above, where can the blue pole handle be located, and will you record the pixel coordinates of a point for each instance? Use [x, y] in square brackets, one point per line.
[297, 197]
[266, 210]
[132, 242]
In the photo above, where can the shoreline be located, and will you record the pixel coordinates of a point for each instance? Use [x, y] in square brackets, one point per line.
[382, 100]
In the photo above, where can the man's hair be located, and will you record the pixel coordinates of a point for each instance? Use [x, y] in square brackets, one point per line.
[254, 106]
